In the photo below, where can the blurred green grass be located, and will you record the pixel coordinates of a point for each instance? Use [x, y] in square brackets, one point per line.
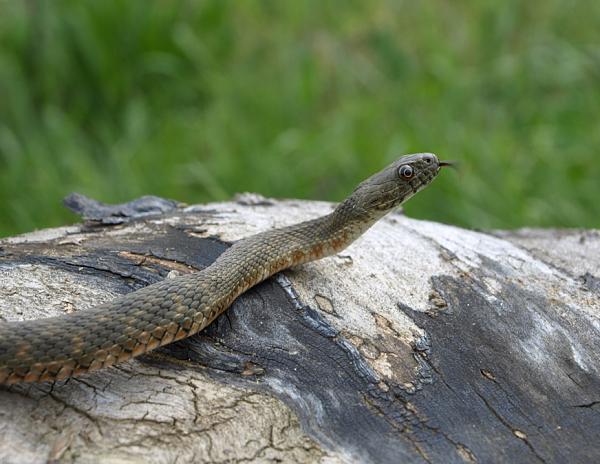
[197, 100]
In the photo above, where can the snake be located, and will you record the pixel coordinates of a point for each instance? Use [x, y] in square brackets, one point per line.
[55, 348]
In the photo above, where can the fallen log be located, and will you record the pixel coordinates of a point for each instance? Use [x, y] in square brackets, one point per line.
[421, 342]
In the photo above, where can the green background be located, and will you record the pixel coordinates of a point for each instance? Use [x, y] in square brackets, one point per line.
[199, 100]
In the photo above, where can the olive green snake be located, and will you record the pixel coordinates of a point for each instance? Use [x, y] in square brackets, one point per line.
[59, 347]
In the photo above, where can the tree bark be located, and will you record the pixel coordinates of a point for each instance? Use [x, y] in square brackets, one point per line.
[421, 342]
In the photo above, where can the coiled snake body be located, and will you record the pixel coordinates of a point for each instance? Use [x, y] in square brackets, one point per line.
[58, 347]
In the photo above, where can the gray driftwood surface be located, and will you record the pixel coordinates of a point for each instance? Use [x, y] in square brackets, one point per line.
[422, 342]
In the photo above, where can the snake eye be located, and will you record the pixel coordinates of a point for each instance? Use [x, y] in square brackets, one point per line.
[406, 171]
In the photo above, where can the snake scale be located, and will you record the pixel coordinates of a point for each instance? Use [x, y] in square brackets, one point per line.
[59, 347]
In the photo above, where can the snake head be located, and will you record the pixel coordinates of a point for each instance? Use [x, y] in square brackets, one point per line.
[395, 184]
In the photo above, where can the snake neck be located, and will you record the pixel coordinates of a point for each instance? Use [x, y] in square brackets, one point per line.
[257, 257]
[351, 220]
[330, 234]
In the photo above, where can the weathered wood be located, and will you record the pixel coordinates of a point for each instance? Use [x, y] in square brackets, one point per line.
[420, 343]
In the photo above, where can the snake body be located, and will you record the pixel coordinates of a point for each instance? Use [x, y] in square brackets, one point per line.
[59, 347]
